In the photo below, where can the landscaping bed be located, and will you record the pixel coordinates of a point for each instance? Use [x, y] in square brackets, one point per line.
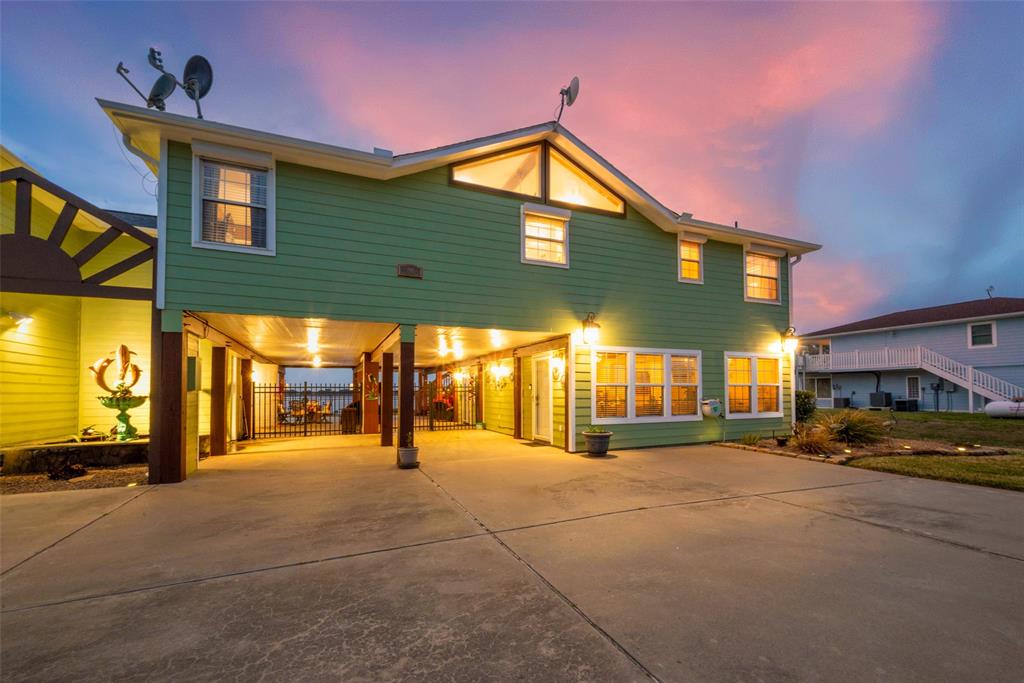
[95, 478]
[1005, 472]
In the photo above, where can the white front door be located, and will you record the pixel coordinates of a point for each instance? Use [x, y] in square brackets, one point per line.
[542, 398]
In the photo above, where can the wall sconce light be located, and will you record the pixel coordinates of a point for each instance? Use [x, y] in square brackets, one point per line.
[557, 369]
[499, 375]
[789, 340]
[20, 321]
[591, 330]
[460, 376]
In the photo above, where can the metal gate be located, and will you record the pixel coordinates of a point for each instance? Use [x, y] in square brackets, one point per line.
[445, 404]
[304, 410]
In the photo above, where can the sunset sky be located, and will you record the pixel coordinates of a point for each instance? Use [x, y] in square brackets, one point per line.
[893, 134]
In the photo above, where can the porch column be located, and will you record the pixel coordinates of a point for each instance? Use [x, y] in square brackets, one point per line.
[247, 417]
[406, 368]
[218, 401]
[370, 399]
[387, 399]
[517, 397]
[479, 398]
[167, 399]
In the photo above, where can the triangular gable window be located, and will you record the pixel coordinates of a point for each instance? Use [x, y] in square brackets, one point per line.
[517, 172]
[539, 172]
[570, 184]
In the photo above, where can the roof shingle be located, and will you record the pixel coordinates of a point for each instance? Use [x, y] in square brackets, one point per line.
[978, 308]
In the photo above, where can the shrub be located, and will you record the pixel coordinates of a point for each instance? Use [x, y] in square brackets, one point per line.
[750, 439]
[814, 440]
[805, 405]
[853, 427]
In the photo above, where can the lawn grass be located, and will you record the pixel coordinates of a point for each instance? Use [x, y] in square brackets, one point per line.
[999, 471]
[958, 428]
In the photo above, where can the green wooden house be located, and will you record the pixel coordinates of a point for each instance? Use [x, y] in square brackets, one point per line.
[517, 282]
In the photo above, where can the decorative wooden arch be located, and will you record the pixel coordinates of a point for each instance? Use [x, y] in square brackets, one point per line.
[36, 265]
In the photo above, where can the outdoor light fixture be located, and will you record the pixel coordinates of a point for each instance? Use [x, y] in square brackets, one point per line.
[460, 376]
[591, 330]
[21, 321]
[500, 374]
[557, 368]
[789, 340]
[317, 361]
[312, 339]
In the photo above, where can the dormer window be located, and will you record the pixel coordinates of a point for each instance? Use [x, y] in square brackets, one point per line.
[539, 172]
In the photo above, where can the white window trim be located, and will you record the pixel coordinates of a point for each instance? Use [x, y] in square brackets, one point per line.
[918, 378]
[699, 240]
[753, 414]
[631, 417]
[970, 338]
[548, 212]
[771, 253]
[203, 151]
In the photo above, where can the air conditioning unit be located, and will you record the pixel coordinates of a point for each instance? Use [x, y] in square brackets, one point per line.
[843, 402]
[880, 399]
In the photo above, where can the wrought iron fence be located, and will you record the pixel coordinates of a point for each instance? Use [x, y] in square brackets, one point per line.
[304, 410]
[444, 404]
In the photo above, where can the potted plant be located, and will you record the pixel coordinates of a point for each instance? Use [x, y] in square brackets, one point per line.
[597, 439]
[408, 458]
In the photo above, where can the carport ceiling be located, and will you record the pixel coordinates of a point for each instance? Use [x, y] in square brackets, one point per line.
[295, 341]
[288, 341]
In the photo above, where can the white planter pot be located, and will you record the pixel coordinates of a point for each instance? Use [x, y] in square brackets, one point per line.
[408, 458]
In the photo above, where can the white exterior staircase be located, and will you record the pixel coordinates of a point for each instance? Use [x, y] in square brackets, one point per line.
[913, 358]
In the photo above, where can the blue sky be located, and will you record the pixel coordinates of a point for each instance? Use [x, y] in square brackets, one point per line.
[891, 133]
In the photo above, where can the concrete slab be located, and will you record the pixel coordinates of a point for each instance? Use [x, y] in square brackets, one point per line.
[238, 514]
[751, 589]
[989, 519]
[31, 522]
[460, 610]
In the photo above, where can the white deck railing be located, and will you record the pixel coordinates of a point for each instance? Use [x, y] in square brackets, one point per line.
[913, 357]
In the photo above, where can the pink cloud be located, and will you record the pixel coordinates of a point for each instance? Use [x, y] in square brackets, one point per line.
[829, 292]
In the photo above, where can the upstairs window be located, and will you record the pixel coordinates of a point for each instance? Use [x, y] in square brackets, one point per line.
[516, 172]
[232, 203]
[645, 385]
[545, 235]
[690, 261]
[538, 172]
[981, 335]
[570, 184]
[762, 277]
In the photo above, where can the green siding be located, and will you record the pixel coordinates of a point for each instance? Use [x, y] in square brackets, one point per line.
[499, 404]
[339, 238]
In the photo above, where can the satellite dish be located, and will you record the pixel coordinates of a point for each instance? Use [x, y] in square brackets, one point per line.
[573, 91]
[569, 94]
[161, 90]
[198, 77]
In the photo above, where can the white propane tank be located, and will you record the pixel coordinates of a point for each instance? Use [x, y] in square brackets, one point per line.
[1005, 409]
[711, 407]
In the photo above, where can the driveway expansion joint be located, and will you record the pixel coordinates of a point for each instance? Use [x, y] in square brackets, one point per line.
[891, 527]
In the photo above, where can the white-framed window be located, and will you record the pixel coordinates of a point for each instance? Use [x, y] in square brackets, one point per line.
[691, 259]
[913, 387]
[645, 385]
[753, 385]
[761, 276]
[821, 386]
[981, 335]
[233, 200]
[545, 235]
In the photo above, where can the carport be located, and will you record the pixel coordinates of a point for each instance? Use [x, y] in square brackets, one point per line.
[406, 379]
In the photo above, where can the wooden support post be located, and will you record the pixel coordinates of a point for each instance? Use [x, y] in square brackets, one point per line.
[218, 401]
[517, 397]
[167, 403]
[248, 428]
[387, 399]
[370, 399]
[406, 361]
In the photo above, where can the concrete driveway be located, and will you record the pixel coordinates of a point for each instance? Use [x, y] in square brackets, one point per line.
[318, 560]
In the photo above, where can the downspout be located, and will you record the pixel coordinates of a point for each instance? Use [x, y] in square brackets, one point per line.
[792, 357]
